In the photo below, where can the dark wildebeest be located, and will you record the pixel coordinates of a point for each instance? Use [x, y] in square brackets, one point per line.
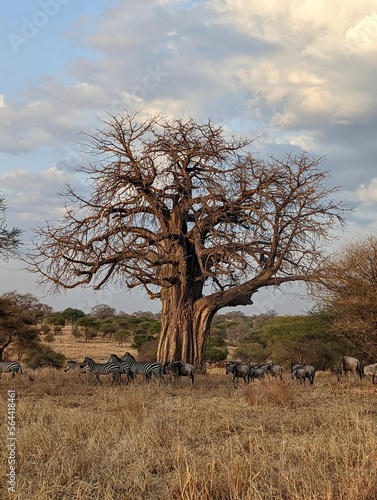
[350, 365]
[371, 370]
[179, 369]
[275, 371]
[238, 370]
[256, 372]
[299, 374]
[309, 371]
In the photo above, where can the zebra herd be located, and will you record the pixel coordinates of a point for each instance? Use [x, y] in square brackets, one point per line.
[128, 366]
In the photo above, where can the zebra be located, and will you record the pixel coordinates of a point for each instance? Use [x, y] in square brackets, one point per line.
[102, 369]
[12, 367]
[124, 367]
[146, 368]
[80, 368]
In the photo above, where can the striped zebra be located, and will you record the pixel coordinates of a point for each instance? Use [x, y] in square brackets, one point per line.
[12, 367]
[124, 367]
[102, 369]
[146, 368]
[77, 367]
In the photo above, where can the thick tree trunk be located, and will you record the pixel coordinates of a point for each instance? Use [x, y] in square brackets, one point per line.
[185, 329]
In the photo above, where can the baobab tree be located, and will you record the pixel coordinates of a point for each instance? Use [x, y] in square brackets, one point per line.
[191, 216]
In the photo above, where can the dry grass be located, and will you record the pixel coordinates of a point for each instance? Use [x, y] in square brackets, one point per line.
[266, 440]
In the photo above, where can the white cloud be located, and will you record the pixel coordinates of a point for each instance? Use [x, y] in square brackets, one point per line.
[368, 193]
[362, 37]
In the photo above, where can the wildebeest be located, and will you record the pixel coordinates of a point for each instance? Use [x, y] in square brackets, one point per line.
[275, 371]
[371, 370]
[309, 371]
[256, 372]
[238, 370]
[299, 374]
[179, 369]
[350, 365]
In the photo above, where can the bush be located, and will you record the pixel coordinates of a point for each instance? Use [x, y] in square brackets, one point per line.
[45, 356]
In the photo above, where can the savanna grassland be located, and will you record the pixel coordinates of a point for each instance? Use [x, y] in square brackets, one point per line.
[267, 440]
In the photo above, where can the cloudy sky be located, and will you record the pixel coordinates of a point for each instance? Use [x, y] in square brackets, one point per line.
[293, 74]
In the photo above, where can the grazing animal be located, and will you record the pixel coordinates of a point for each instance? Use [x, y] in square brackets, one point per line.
[238, 370]
[102, 369]
[350, 365]
[275, 371]
[299, 374]
[180, 369]
[146, 368]
[77, 367]
[371, 370]
[124, 367]
[309, 371]
[12, 367]
[256, 372]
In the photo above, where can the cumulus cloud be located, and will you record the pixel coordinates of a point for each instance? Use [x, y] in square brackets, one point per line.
[292, 75]
[368, 193]
[32, 197]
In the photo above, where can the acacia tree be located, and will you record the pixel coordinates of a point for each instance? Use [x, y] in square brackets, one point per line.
[179, 209]
[347, 291]
[9, 238]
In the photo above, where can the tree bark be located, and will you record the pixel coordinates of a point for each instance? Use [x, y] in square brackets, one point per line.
[185, 329]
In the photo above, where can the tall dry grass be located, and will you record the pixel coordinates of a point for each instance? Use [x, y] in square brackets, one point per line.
[266, 440]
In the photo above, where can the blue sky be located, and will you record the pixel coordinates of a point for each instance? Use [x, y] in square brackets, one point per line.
[294, 75]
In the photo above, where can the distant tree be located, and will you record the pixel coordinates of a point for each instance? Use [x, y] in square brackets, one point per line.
[303, 339]
[192, 217]
[18, 320]
[90, 326]
[9, 239]
[348, 295]
[216, 349]
[108, 328]
[32, 310]
[45, 328]
[71, 316]
[121, 336]
[251, 352]
[102, 311]
[56, 319]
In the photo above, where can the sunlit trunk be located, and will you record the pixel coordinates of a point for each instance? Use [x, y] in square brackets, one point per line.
[185, 329]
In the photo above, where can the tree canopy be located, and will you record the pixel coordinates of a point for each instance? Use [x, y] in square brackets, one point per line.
[9, 238]
[186, 213]
[347, 292]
